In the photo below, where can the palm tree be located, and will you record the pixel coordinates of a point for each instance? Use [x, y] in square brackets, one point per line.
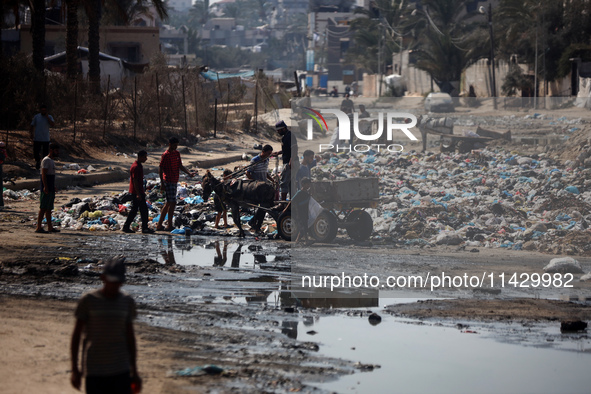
[550, 29]
[233, 10]
[38, 27]
[2, 14]
[93, 10]
[377, 35]
[445, 43]
[72, 38]
[199, 13]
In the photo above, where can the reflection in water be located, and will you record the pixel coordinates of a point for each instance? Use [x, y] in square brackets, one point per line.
[324, 298]
[289, 328]
[260, 258]
[455, 361]
[259, 298]
[167, 250]
[214, 253]
[219, 260]
[236, 257]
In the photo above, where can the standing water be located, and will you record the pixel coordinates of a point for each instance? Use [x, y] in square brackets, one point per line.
[415, 357]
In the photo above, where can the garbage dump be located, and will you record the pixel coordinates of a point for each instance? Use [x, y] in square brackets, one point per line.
[108, 213]
[493, 197]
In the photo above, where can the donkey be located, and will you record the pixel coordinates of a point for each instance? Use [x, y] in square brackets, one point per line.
[236, 192]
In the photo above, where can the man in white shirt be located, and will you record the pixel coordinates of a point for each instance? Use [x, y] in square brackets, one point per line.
[47, 190]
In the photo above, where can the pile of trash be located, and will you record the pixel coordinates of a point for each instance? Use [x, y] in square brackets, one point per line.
[109, 213]
[487, 198]
[19, 195]
[78, 168]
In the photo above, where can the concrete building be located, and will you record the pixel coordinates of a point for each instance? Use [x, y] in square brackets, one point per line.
[331, 38]
[173, 40]
[225, 31]
[129, 43]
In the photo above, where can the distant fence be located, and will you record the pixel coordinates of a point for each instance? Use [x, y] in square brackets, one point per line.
[151, 105]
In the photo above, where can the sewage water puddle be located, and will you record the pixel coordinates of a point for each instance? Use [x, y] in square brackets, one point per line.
[419, 357]
[216, 253]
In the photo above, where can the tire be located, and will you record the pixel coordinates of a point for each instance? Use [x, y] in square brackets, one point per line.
[465, 146]
[359, 225]
[285, 226]
[325, 227]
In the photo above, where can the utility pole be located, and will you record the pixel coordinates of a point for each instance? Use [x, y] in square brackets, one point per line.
[536, 69]
[492, 56]
[380, 63]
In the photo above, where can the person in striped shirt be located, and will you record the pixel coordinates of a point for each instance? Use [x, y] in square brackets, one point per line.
[260, 166]
[259, 171]
[170, 166]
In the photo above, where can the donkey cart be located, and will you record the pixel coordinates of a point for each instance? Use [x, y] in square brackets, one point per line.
[341, 206]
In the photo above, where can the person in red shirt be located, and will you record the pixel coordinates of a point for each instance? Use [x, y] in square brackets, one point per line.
[136, 189]
[170, 164]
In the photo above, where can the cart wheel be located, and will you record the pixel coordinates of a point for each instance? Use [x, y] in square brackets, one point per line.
[325, 227]
[465, 146]
[447, 144]
[359, 225]
[285, 226]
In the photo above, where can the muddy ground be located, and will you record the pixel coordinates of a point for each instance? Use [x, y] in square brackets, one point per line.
[190, 315]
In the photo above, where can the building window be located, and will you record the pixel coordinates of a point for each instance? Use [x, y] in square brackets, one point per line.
[129, 52]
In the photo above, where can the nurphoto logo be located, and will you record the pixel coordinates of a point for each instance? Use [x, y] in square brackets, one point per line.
[341, 141]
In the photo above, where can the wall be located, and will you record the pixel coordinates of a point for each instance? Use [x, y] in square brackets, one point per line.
[418, 82]
[479, 76]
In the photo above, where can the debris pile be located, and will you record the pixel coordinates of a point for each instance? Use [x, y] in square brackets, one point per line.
[109, 213]
[487, 198]
[19, 195]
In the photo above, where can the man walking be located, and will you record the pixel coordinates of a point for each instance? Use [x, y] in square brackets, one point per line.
[289, 152]
[47, 190]
[39, 132]
[170, 164]
[105, 318]
[136, 189]
[347, 105]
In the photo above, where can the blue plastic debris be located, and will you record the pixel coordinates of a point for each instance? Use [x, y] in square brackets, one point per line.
[157, 218]
[196, 371]
[182, 231]
[563, 217]
[448, 197]
[194, 200]
[444, 205]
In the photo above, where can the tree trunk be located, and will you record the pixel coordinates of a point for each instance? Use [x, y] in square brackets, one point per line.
[1, 13]
[38, 22]
[94, 71]
[72, 38]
